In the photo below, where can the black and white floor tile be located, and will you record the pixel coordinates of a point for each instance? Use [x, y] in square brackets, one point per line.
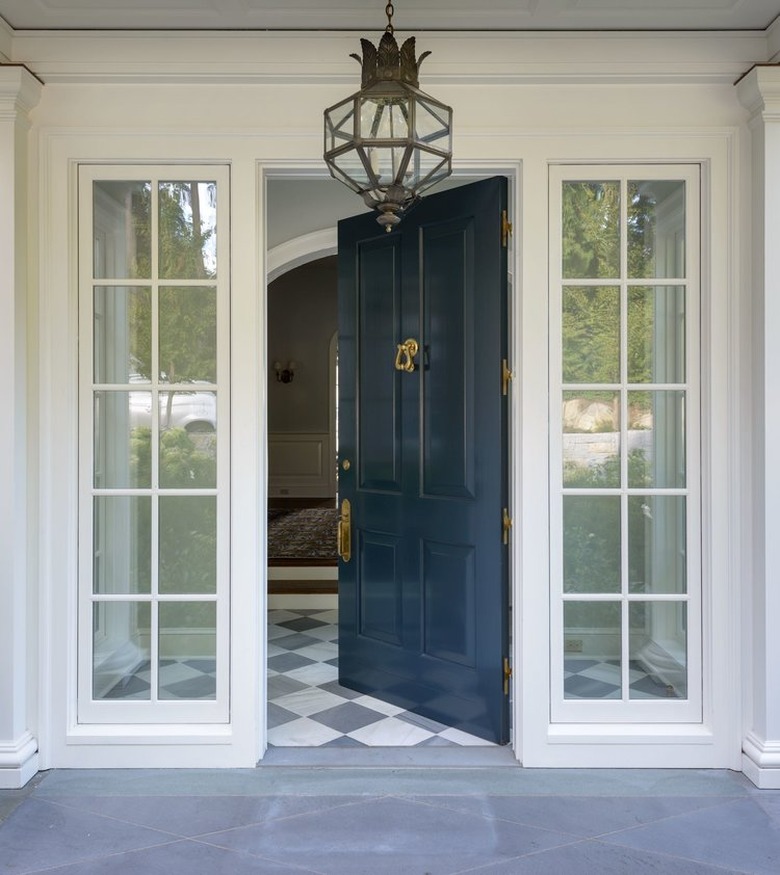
[307, 707]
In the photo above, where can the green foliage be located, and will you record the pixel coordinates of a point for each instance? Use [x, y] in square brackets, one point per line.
[591, 230]
[188, 333]
[188, 524]
[141, 457]
[183, 464]
[591, 332]
[187, 314]
[591, 250]
[591, 544]
[188, 544]
[591, 526]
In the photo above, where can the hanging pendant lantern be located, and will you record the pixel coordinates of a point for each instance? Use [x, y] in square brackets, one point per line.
[390, 141]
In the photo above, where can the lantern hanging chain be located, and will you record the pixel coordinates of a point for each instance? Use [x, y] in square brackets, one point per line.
[389, 10]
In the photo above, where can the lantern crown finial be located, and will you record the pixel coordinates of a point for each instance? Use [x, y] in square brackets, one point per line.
[389, 62]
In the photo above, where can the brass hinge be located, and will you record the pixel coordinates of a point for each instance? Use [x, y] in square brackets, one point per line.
[506, 524]
[506, 228]
[506, 376]
[507, 675]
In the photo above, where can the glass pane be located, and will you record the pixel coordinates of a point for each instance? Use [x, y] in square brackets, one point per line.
[384, 118]
[656, 334]
[591, 230]
[351, 166]
[656, 229]
[122, 544]
[591, 650]
[188, 230]
[657, 650]
[121, 650]
[188, 440]
[122, 230]
[656, 544]
[591, 439]
[339, 124]
[188, 650]
[385, 163]
[188, 544]
[432, 124]
[656, 439]
[122, 334]
[123, 446]
[427, 168]
[591, 543]
[188, 334]
[591, 334]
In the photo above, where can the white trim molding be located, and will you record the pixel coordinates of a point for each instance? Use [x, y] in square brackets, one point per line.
[759, 91]
[300, 250]
[19, 92]
[477, 57]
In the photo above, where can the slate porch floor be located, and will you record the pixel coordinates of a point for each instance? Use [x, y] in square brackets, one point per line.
[416, 819]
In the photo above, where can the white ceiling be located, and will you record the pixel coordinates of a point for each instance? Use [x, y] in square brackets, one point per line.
[368, 15]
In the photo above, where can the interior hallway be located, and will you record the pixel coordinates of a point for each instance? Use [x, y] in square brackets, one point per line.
[486, 816]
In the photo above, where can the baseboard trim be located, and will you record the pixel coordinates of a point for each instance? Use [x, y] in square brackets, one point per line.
[291, 601]
[18, 762]
[303, 572]
[303, 587]
[761, 761]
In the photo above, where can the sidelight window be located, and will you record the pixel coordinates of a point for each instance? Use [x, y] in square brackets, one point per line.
[153, 352]
[626, 612]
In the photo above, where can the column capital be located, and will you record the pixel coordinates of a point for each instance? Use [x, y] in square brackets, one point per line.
[759, 91]
[20, 91]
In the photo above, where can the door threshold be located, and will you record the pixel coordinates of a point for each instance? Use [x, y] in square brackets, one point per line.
[391, 757]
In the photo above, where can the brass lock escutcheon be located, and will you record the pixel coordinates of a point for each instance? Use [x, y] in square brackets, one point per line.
[345, 531]
[405, 353]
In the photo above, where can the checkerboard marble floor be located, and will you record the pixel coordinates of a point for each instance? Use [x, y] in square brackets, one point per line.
[307, 707]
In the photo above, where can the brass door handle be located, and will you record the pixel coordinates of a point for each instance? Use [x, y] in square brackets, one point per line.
[345, 531]
[405, 353]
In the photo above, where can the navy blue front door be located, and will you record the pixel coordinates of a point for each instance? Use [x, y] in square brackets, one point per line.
[423, 597]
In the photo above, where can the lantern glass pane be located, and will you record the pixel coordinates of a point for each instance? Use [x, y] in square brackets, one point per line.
[342, 177]
[386, 162]
[433, 124]
[351, 165]
[427, 169]
[339, 125]
[384, 118]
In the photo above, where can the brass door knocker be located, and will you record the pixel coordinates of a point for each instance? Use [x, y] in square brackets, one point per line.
[404, 357]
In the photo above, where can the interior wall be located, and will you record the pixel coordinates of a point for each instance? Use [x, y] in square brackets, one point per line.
[302, 318]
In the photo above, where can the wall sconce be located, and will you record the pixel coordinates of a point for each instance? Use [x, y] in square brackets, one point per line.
[284, 375]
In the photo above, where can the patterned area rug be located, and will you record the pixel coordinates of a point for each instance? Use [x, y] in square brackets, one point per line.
[304, 536]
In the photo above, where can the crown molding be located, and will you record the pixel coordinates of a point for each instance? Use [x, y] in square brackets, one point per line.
[773, 40]
[6, 41]
[462, 58]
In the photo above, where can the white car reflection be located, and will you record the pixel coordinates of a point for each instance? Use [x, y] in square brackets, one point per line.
[195, 411]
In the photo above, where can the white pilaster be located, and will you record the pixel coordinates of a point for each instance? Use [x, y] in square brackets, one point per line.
[759, 91]
[19, 93]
